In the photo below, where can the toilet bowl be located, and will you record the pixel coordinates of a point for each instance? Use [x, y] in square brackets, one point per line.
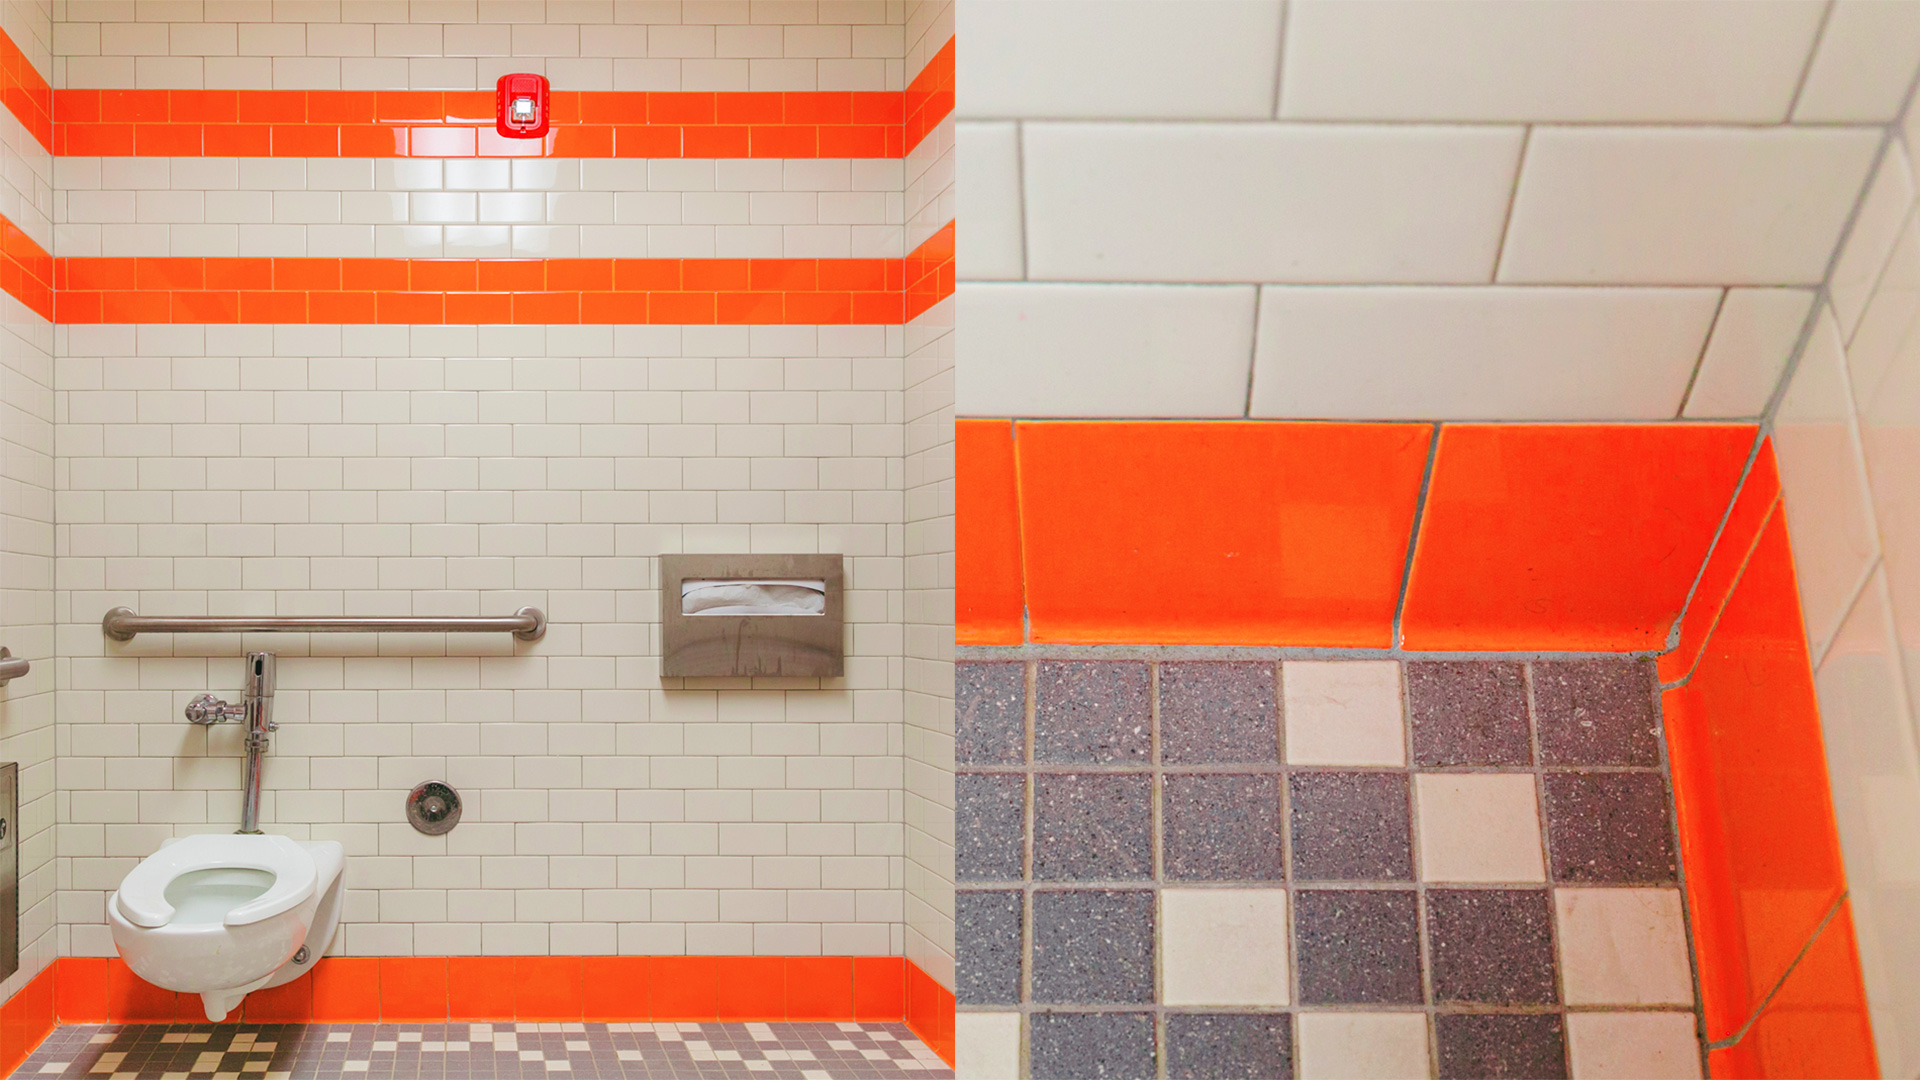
[224, 915]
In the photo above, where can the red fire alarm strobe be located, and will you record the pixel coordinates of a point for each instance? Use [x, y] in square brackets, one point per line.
[520, 106]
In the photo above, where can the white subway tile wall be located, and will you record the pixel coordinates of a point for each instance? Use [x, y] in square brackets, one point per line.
[474, 469]
[1848, 436]
[927, 618]
[28, 716]
[1496, 149]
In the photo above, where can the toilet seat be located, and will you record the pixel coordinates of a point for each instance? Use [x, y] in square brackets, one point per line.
[142, 896]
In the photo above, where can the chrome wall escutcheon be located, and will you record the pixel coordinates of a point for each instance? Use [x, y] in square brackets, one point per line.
[433, 808]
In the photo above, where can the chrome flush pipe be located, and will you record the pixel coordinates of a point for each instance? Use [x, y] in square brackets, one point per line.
[256, 709]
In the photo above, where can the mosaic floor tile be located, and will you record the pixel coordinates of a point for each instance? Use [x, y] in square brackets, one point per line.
[870, 1051]
[1455, 866]
[989, 830]
[990, 714]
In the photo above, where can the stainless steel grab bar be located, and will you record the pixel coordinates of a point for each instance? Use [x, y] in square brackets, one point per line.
[11, 666]
[121, 624]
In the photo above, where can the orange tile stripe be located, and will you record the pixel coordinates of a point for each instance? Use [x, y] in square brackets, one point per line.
[93, 990]
[929, 272]
[24, 93]
[464, 291]
[27, 272]
[459, 123]
[929, 98]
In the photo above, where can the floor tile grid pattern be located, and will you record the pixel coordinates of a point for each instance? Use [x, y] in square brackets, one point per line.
[456, 1051]
[1159, 770]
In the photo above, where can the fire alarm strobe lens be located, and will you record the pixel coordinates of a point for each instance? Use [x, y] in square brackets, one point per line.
[521, 106]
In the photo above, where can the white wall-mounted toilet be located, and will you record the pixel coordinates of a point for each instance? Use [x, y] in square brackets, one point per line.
[224, 915]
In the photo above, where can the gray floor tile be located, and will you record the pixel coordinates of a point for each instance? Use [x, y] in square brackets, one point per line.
[1091, 712]
[1503, 1046]
[1222, 828]
[1491, 946]
[989, 713]
[1469, 713]
[1092, 1046]
[1351, 826]
[1092, 947]
[1229, 1046]
[989, 829]
[1092, 827]
[1214, 712]
[986, 933]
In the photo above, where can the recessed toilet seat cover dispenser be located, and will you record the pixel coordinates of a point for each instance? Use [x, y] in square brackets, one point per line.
[142, 895]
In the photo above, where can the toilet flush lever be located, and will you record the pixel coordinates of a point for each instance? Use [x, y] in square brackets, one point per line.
[207, 709]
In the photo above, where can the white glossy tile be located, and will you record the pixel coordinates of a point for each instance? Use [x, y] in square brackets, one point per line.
[1873, 766]
[1266, 202]
[1828, 516]
[1883, 211]
[1477, 353]
[1683, 206]
[1633, 1045]
[1889, 327]
[1224, 947]
[1622, 947]
[1586, 60]
[987, 226]
[1362, 1046]
[1478, 827]
[1890, 436]
[1125, 59]
[1343, 712]
[986, 1046]
[1103, 350]
[1753, 338]
[1865, 63]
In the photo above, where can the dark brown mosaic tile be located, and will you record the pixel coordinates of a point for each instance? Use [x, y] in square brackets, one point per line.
[1596, 712]
[986, 935]
[1357, 946]
[1501, 1046]
[1469, 713]
[1092, 947]
[1218, 712]
[1092, 1046]
[1609, 827]
[989, 713]
[1229, 1046]
[989, 828]
[1491, 946]
[1351, 826]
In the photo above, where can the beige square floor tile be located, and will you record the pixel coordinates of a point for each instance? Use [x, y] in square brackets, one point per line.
[1362, 1046]
[1478, 827]
[1633, 1046]
[1343, 712]
[1622, 947]
[1224, 947]
[986, 1046]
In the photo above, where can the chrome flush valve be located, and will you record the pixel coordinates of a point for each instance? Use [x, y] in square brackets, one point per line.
[207, 710]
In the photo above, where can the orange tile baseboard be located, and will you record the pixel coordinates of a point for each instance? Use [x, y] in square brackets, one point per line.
[26, 1019]
[989, 601]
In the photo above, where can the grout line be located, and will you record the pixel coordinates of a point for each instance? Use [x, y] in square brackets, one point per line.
[1156, 861]
[1253, 348]
[1413, 536]
[1700, 362]
[1813, 52]
[1280, 58]
[1766, 520]
[1879, 275]
[1713, 544]
[1820, 928]
[1513, 196]
[1024, 994]
[1680, 872]
[1818, 654]
[1402, 421]
[1020, 184]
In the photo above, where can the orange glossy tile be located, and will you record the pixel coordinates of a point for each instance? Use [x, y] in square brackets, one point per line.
[413, 988]
[133, 1000]
[346, 989]
[751, 988]
[288, 1003]
[1759, 494]
[819, 987]
[930, 1012]
[617, 988]
[879, 987]
[480, 987]
[988, 597]
[685, 988]
[1817, 1025]
[81, 989]
[549, 988]
[1217, 533]
[1755, 815]
[26, 1019]
[1576, 536]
